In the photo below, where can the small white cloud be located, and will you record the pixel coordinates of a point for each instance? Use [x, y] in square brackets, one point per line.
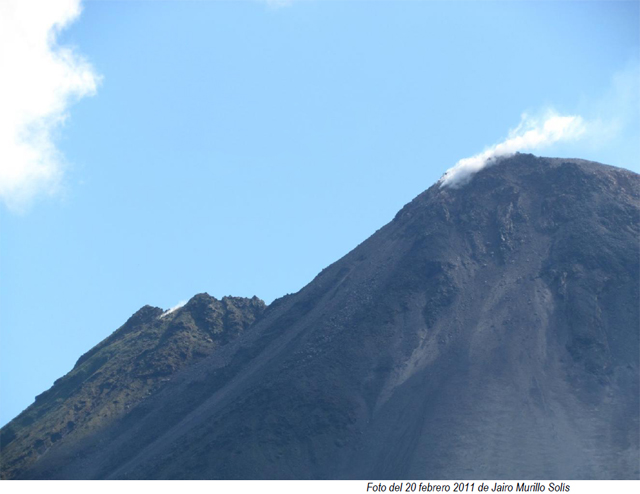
[40, 80]
[174, 308]
[531, 134]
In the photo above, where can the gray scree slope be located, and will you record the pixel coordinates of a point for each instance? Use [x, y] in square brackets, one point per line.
[490, 331]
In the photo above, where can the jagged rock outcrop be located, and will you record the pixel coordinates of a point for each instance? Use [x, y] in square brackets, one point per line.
[122, 371]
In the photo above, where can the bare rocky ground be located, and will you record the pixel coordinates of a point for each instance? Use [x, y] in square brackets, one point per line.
[490, 331]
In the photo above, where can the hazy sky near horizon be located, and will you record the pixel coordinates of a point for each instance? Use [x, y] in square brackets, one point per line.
[238, 148]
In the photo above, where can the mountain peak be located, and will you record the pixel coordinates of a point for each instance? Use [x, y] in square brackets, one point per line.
[494, 324]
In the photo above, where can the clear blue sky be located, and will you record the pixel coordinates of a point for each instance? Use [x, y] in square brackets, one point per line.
[238, 149]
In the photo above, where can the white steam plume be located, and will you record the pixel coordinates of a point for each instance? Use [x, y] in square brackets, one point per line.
[174, 308]
[40, 80]
[530, 134]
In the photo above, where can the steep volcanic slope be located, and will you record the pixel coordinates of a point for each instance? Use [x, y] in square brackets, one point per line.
[490, 331]
[120, 372]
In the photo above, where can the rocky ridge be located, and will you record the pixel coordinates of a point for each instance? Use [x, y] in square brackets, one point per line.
[122, 371]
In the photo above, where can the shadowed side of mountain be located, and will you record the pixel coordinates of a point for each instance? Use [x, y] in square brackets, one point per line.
[123, 370]
[490, 331]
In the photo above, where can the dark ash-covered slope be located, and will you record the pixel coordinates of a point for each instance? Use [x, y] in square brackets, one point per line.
[490, 331]
[112, 378]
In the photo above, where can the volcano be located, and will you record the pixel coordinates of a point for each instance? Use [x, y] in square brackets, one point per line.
[488, 331]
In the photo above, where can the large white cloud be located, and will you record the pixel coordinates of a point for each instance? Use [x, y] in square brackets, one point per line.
[40, 80]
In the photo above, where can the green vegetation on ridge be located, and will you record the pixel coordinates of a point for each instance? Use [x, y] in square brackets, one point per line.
[112, 378]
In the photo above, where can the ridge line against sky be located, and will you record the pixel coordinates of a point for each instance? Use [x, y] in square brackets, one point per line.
[536, 133]
[238, 148]
[530, 135]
